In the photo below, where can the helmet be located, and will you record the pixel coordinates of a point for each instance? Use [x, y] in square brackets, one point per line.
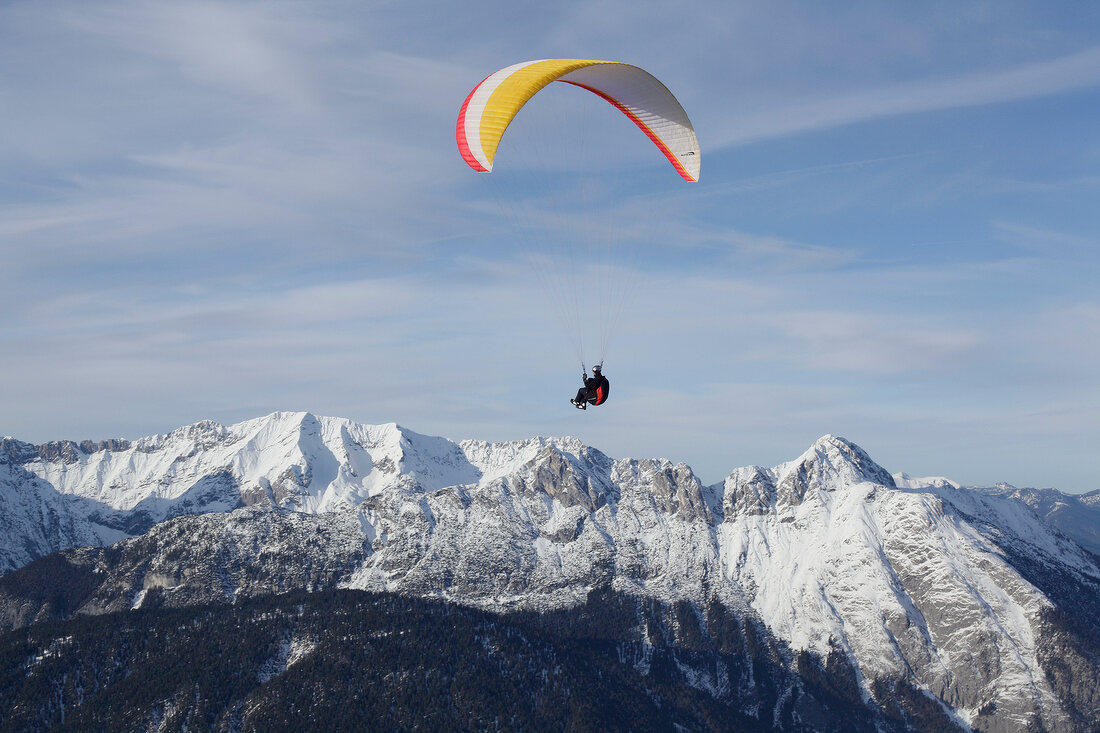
[598, 368]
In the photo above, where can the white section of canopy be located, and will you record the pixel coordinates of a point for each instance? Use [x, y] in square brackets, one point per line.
[476, 108]
[650, 103]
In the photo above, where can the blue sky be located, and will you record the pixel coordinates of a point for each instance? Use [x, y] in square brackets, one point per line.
[222, 209]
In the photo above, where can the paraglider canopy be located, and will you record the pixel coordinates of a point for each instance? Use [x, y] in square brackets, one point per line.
[491, 106]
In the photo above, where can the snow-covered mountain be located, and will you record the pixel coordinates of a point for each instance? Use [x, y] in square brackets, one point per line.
[1076, 516]
[974, 599]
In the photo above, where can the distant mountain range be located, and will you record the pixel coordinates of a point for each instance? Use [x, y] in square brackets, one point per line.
[795, 596]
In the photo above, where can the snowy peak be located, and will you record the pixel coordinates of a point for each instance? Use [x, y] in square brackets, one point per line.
[1075, 516]
[830, 464]
[749, 490]
[292, 460]
[672, 490]
[561, 476]
[15, 452]
[905, 481]
[296, 461]
[434, 463]
[316, 464]
[563, 469]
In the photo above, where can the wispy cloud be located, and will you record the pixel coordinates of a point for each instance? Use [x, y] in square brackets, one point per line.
[874, 344]
[1044, 240]
[1079, 70]
[1062, 343]
[219, 45]
[777, 254]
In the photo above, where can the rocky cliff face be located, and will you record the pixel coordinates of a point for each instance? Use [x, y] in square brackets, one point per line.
[929, 600]
[35, 518]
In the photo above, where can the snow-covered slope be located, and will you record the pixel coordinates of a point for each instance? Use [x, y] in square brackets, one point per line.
[907, 581]
[36, 520]
[293, 460]
[917, 582]
[1075, 516]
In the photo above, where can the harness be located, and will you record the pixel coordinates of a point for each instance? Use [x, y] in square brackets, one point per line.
[602, 391]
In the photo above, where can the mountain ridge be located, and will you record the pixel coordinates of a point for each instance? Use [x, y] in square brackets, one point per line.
[958, 594]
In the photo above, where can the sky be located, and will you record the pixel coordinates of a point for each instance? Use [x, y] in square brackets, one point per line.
[218, 210]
